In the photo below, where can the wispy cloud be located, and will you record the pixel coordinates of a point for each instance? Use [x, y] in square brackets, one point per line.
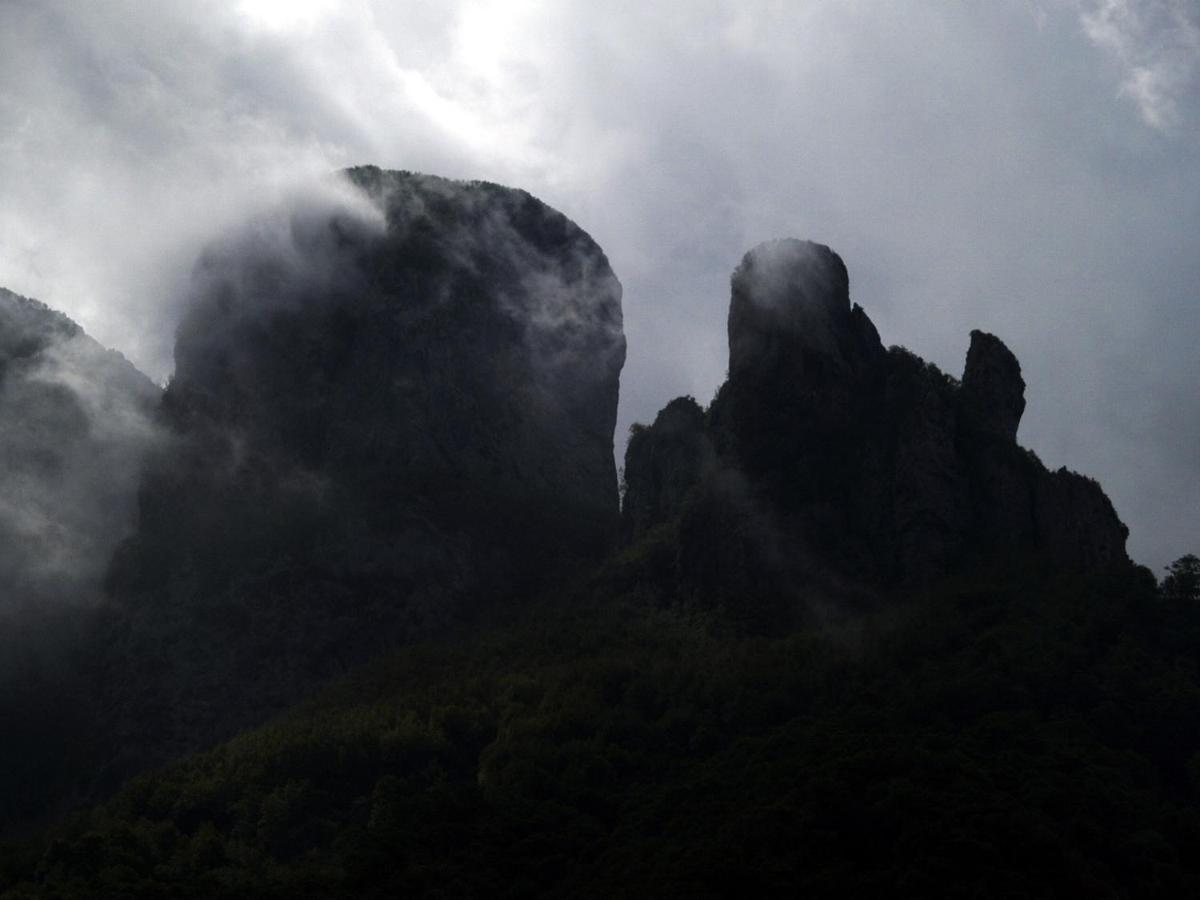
[1157, 45]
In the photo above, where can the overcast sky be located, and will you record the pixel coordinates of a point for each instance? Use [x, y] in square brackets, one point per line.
[1029, 167]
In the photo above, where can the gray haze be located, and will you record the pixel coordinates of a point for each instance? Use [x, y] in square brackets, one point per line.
[76, 421]
[1028, 167]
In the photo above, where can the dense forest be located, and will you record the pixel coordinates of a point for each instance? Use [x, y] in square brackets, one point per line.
[996, 736]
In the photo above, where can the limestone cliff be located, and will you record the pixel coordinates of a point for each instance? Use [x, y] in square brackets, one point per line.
[854, 460]
[390, 404]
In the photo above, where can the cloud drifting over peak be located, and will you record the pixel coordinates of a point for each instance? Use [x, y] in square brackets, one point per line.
[1026, 167]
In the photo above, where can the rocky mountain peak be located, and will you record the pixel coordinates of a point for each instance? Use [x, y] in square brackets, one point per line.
[993, 391]
[394, 400]
[790, 307]
[851, 460]
[668, 457]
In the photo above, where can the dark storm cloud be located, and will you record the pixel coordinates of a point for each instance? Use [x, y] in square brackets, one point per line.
[1024, 167]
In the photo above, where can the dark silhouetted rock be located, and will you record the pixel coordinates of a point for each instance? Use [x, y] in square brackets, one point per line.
[733, 554]
[927, 491]
[1076, 522]
[466, 344]
[667, 461]
[394, 400]
[993, 391]
[794, 336]
[790, 310]
[803, 362]
[861, 463]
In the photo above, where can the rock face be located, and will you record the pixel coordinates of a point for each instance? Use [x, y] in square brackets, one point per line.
[791, 310]
[668, 459]
[852, 460]
[993, 391]
[391, 399]
[463, 348]
[74, 426]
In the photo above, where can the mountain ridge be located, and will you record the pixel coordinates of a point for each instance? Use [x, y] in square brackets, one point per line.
[855, 458]
[388, 624]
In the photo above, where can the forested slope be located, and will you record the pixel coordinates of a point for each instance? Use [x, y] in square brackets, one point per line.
[995, 736]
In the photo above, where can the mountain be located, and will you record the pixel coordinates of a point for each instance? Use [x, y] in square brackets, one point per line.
[381, 628]
[393, 404]
[827, 457]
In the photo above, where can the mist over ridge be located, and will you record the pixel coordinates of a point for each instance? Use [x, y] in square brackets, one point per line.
[76, 421]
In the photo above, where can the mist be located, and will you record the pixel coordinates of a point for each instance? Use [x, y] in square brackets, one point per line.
[1026, 168]
[76, 422]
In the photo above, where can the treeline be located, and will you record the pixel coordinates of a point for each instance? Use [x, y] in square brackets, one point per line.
[998, 736]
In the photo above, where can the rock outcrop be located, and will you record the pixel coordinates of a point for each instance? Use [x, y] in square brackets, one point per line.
[668, 459]
[392, 402]
[993, 391]
[790, 311]
[856, 462]
[74, 426]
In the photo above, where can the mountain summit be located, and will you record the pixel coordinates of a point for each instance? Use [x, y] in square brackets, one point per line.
[394, 400]
[824, 452]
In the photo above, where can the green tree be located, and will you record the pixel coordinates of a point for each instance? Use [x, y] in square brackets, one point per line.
[1182, 581]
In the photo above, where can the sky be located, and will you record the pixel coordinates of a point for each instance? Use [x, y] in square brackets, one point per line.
[1027, 167]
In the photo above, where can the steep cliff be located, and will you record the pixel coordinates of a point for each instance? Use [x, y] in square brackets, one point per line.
[667, 459]
[392, 401]
[841, 458]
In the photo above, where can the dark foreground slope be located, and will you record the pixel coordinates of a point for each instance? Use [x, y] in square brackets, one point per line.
[1002, 736]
